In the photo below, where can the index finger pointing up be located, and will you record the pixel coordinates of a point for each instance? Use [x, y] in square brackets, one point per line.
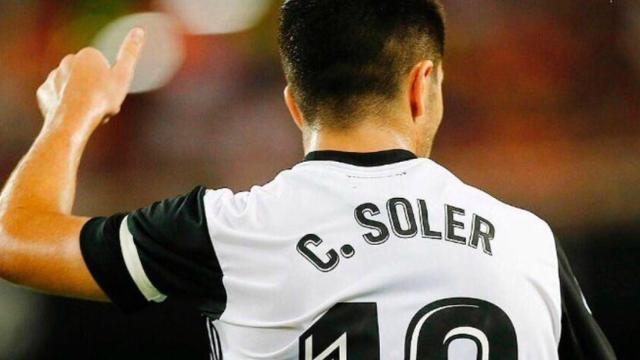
[128, 54]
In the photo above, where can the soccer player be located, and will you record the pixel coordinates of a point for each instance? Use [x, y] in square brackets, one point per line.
[365, 250]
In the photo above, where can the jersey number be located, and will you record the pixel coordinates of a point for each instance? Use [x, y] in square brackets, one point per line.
[349, 331]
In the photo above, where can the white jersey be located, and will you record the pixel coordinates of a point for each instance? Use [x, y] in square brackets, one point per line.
[344, 256]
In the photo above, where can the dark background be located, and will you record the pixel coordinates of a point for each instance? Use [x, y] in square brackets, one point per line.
[542, 111]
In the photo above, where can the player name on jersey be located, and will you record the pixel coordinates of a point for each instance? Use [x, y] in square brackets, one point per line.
[404, 223]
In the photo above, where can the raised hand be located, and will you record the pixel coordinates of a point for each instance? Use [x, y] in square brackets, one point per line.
[84, 89]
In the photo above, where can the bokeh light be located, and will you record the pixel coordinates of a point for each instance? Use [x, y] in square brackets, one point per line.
[163, 52]
[217, 16]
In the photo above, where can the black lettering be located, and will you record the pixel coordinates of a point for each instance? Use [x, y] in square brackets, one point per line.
[383, 232]
[453, 224]
[478, 233]
[392, 208]
[424, 217]
[304, 248]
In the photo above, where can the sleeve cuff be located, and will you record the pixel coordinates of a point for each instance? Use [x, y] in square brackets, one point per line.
[100, 246]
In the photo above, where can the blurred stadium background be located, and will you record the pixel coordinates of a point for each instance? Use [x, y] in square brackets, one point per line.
[542, 110]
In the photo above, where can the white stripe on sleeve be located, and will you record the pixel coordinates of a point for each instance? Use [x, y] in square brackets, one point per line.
[134, 265]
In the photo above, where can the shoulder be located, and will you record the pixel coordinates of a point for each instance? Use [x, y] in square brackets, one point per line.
[227, 203]
[519, 218]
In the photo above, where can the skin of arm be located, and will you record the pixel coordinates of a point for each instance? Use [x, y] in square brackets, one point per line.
[39, 236]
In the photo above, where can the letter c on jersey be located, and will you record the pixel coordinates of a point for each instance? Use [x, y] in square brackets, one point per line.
[310, 241]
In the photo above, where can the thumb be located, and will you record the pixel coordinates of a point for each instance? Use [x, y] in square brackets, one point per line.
[128, 56]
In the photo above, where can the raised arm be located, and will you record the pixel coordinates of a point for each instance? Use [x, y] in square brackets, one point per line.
[39, 237]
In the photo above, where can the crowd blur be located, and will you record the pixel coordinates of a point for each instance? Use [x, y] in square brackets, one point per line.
[542, 110]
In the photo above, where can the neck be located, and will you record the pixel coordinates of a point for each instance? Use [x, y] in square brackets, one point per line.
[357, 139]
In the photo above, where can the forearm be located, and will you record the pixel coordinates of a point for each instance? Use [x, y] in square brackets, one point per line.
[45, 179]
[35, 216]
[39, 238]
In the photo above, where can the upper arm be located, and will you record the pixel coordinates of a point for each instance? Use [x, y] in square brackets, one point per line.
[42, 251]
[163, 250]
[132, 259]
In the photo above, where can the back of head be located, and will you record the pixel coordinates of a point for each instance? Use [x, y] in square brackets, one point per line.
[346, 58]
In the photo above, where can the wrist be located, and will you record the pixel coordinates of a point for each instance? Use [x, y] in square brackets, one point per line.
[72, 135]
[77, 123]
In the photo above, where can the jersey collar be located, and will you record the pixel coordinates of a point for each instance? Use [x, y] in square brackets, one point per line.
[377, 158]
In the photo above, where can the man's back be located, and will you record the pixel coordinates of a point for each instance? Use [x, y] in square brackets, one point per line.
[395, 257]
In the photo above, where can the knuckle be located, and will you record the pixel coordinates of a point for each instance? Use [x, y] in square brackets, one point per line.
[43, 89]
[48, 79]
[66, 60]
[93, 56]
[91, 53]
[88, 52]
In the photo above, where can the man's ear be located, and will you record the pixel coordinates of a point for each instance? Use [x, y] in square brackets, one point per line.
[419, 87]
[294, 109]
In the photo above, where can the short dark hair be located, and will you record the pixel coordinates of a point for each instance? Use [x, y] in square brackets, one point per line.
[341, 56]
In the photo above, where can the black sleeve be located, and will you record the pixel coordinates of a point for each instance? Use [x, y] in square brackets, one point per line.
[581, 338]
[169, 239]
